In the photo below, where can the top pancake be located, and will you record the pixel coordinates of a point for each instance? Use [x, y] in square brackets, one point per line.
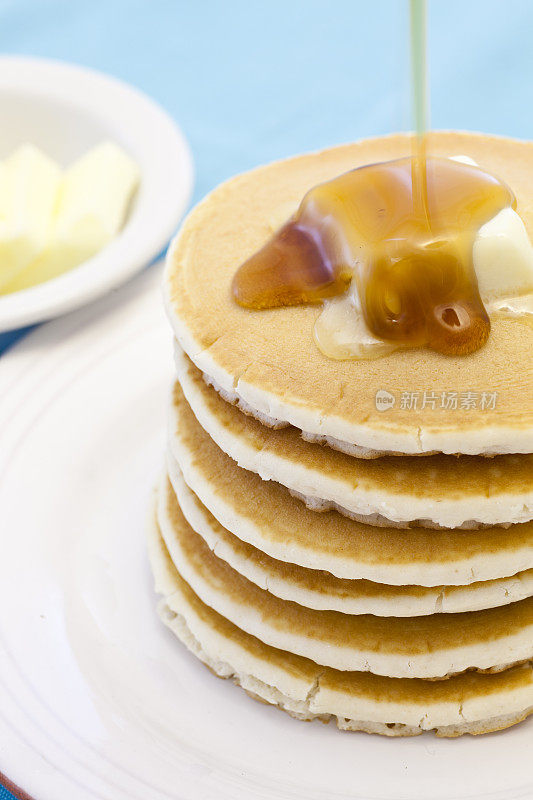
[269, 360]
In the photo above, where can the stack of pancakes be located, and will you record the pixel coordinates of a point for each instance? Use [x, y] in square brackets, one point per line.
[333, 558]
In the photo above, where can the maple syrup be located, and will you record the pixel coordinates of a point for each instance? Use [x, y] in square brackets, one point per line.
[403, 230]
[412, 262]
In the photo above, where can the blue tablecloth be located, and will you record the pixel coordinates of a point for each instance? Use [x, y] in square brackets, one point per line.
[250, 82]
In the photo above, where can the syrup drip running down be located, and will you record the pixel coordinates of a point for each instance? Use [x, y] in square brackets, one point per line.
[403, 230]
[412, 261]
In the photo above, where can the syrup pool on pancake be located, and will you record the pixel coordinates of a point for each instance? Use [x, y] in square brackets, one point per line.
[392, 271]
[402, 246]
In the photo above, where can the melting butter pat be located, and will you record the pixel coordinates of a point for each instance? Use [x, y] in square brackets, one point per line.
[90, 204]
[503, 260]
[503, 257]
[29, 184]
[341, 331]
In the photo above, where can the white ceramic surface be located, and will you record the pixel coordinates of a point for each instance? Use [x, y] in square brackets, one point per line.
[97, 700]
[65, 110]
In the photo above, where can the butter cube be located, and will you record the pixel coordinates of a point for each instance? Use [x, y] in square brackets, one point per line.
[29, 183]
[503, 257]
[93, 200]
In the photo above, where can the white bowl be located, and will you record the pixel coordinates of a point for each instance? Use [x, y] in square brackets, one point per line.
[65, 110]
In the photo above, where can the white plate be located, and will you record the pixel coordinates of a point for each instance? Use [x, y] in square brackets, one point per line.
[97, 700]
[65, 110]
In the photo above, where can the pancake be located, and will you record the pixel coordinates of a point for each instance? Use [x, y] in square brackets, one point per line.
[421, 647]
[268, 359]
[433, 491]
[264, 514]
[469, 703]
[321, 590]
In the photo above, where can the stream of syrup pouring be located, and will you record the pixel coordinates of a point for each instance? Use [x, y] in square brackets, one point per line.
[403, 230]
